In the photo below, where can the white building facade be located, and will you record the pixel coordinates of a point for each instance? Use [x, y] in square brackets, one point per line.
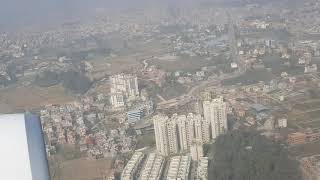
[215, 112]
[124, 87]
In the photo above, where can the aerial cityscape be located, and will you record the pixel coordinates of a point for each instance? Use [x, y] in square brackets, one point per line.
[170, 90]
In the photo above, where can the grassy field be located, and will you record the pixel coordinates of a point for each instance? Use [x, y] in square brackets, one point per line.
[18, 99]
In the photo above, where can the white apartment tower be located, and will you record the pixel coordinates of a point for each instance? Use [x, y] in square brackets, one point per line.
[176, 134]
[117, 99]
[161, 134]
[215, 112]
[124, 87]
[185, 131]
[196, 150]
[201, 128]
[173, 140]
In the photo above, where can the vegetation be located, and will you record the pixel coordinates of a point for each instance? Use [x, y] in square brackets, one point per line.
[242, 155]
[71, 80]
[75, 82]
[47, 79]
[11, 72]
[250, 77]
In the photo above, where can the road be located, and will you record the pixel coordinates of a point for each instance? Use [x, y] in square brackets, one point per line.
[185, 98]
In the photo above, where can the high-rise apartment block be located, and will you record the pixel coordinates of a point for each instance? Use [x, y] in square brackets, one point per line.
[124, 87]
[176, 134]
[129, 172]
[196, 150]
[161, 133]
[215, 112]
[153, 167]
[179, 168]
[202, 170]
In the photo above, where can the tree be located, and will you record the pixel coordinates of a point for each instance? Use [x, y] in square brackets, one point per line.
[76, 82]
[244, 155]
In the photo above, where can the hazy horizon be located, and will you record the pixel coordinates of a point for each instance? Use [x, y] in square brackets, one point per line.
[18, 13]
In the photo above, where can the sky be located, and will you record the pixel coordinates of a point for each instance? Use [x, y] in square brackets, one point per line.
[36, 11]
[17, 13]
[28, 12]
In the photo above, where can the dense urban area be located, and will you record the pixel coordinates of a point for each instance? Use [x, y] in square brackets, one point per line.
[221, 90]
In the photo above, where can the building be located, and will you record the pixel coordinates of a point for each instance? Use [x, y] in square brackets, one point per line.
[126, 83]
[184, 128]
[153, 167]
[117, 100]
[282, 123]
[310, 167]
[161, 133]
[215, 112]
[309, 135]
[135, 115]
[196, 150]
[179, 168]
[130, 171]
[124, 87]
[312, 135]
[311, 69]
[198, 107]
[23, 151]
[296, 138]
[173, 135]
[176, 134]
[202, 170]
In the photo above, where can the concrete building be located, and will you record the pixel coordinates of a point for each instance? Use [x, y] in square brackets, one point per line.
[184, 131]
[309, 135]
[179, 168]
[310, 167]
[135, 115]
[176, 134]
[117, 99]
[153, 167]
[296, 138]
[126, 83]
[215, 112]
[201, 127]
[124, 87]
[173, 135]
[130, 171]
[202, 170]
[196, 150]
[161, 133]
[282, 123]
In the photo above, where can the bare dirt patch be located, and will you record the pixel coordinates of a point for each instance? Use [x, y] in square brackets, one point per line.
[18, 99]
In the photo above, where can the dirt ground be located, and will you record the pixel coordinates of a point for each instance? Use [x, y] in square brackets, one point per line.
[182, 63]
[21, 98]
[84, 169]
